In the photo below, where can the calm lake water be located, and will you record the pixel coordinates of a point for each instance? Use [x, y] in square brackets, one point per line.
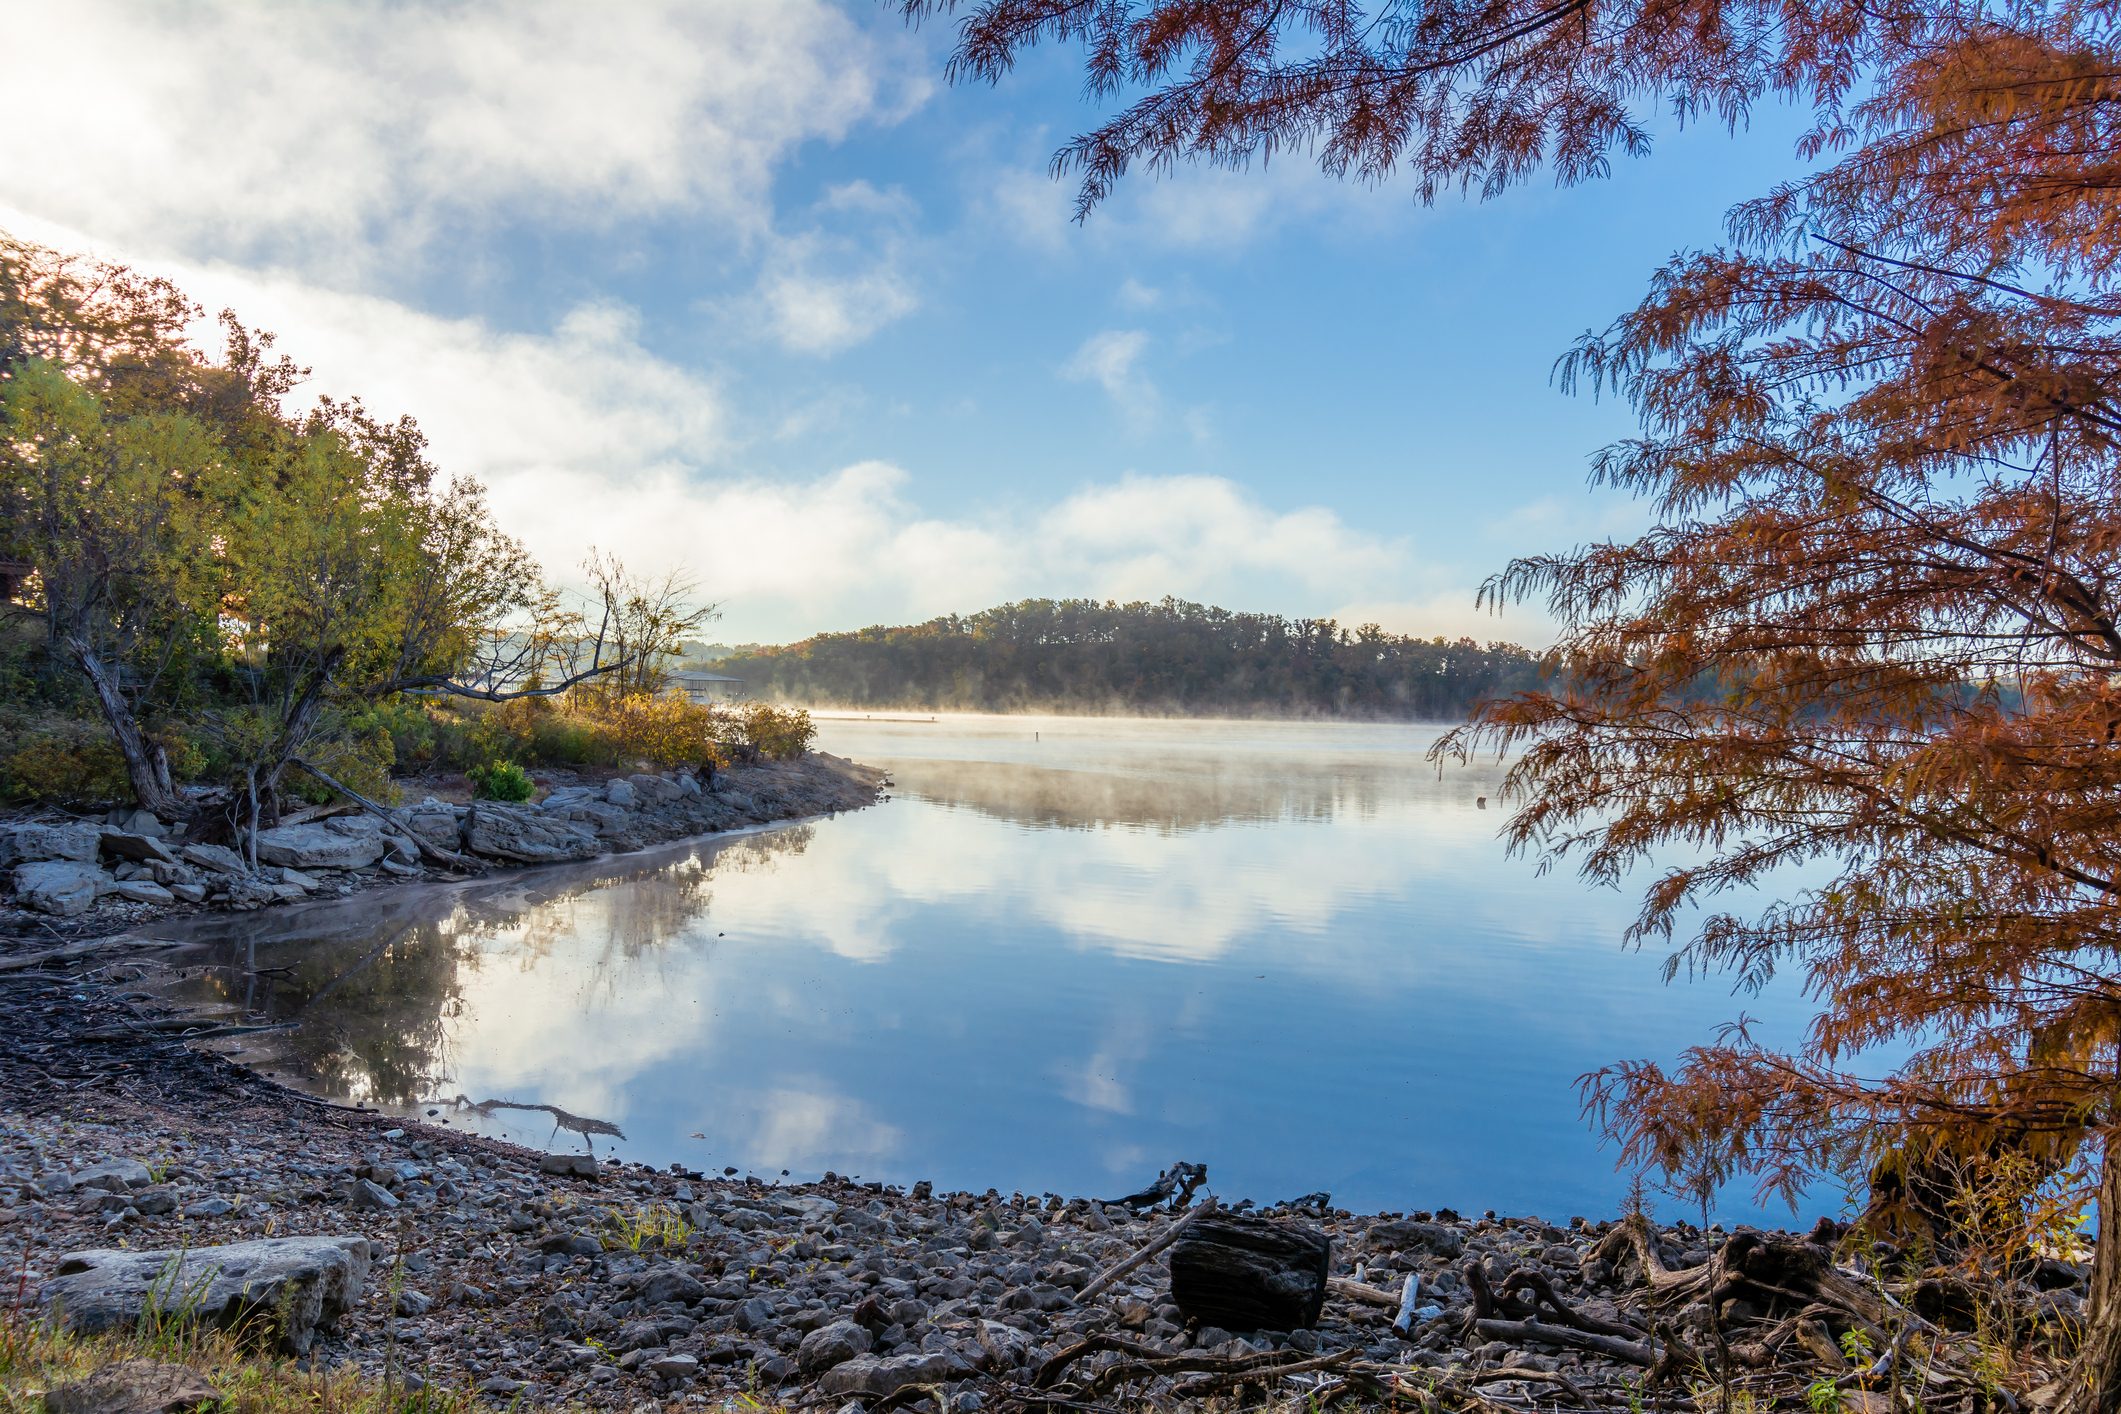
[1065, 954]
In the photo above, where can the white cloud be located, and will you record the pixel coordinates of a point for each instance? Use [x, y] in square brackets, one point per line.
[1112, 360]
[1133, 294]
[586, 437]
[836, 283]
[324, 136]
[1189, 209]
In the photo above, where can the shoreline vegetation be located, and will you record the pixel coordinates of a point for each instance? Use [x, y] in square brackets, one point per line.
[234, 630]
[1170, 658]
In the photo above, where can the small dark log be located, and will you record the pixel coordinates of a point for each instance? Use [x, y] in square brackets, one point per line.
[1246, 1273]
[1176, 1183]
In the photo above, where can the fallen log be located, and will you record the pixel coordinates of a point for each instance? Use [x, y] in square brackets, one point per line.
[1614, 1346]
[1247, 1273]
[433, 854]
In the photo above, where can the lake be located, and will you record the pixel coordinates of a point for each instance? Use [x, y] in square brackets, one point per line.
[1065, 954]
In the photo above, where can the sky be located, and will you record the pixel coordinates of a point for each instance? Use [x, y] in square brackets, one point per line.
[744, 288]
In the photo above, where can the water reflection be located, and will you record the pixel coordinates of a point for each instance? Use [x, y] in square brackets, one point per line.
[1055, 962]
[377, 981]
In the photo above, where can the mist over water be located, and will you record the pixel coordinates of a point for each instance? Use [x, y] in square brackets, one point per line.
[1067, 953]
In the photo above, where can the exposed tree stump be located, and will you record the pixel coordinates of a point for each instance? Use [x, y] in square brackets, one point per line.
[1248, 1273]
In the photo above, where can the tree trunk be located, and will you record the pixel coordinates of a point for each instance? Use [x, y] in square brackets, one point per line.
[146, 764]
[2094, 1381]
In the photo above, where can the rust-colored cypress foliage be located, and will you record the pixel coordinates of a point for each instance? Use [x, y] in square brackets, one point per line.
[1875, 632]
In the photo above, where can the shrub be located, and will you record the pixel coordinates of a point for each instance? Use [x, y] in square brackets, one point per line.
[360, 758]
[68, 764]
[500, 780]
[777, 733]
[660, 731]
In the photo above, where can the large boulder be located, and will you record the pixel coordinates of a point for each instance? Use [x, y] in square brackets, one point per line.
[330, 844]
[282, 1287]
[524, 836]
[654, 788]
[61, 887]
[28, 844]
[435, 823]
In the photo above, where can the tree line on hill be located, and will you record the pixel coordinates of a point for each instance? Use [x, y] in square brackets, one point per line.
[1171, 656]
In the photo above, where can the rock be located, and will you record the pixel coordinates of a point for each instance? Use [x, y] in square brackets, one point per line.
[673, 1285]
[607, 819]
[674, 1367]
[571, 1165]
[435, 824]
[188, 893]
[319, 846]
[867, 1374]
[114, 1175]
[1004, 1347]
[61, 887]
[370, 1194]
[399, 849]
[133, 1387]
[500, 1385]
[154, 1202]
[754, 1315]
[28, 844]
[832, 1345]
[252, 892]
[621, 794]
[305, 882]
[141, 891]
[209, 1208]
[413, 1303]
[214, 858]
[292, 1285]
[138, 822]
[509, 832]
[141, 849]
[1434, 1238]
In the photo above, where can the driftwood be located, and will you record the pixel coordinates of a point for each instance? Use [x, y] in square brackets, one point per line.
[1634, 1352]
[1403, 1320]
[1176, 1183]
[1164, 1239]
[1249, 1273]
[1359, 1291]
[24, 961]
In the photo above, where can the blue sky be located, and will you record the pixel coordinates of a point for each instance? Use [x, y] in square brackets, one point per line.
[744, 288]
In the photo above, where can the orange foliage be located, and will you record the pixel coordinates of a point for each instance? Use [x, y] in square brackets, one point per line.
[1880, 441]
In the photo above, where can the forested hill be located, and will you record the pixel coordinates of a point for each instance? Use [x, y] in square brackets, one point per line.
[1168, 657]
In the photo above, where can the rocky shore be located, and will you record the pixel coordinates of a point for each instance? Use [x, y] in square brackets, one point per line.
[556, 1278]
[128, 867]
